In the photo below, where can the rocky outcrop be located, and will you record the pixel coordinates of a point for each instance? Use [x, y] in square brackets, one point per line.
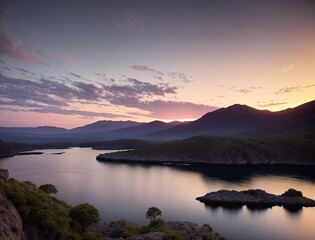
[254, 198]
[149, 236]
[193, 231]
[189, 230]
[10, 221]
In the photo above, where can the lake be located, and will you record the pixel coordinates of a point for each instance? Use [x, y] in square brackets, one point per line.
[128, 190]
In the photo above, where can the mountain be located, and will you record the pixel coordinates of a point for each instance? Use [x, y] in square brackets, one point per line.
[94, 131]
[142, 130]
[236, 120]
[35, 130]
[104, 126]
[243, 120]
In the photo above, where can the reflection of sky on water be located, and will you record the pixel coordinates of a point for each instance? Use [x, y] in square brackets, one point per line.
[126, 191]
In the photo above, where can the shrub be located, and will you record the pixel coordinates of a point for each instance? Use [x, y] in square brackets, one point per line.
[84, 214]
[292, 193]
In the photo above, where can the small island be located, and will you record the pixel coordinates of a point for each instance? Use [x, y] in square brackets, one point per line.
[257, 198]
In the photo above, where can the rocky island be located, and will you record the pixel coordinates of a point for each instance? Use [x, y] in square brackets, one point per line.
[257, 198]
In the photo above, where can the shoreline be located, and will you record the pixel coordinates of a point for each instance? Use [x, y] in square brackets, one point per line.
[100, 158]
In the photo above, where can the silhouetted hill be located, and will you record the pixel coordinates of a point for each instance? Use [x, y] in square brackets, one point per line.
[104, 126]
[243, 120]
[236, 120]
[94, 131]
[142, 130]
[296, 149]
[35, 130]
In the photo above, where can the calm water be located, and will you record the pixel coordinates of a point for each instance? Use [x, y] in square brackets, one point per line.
[127, 191]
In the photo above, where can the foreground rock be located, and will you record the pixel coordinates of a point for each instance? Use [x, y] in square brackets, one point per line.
[256, 198]
[185, 230]
[10, 221]
[193, 231]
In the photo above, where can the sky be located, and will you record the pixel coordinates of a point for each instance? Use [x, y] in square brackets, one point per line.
[70, 63]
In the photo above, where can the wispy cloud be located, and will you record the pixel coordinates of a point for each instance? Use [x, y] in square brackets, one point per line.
[299, 88]
[25, 71]
[133, 91]
[12, 48]
[288, 90]
[65, 57]
[145, 68]
[272, 104]
[292, 65]
[159, 75]
[181, 76]
[76, 75]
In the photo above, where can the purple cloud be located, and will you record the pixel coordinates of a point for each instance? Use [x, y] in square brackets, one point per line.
[62, 56]
[25, 71]
[145, 68]
[54, 96]
[11, 48]
[76, 75]
[181, 76]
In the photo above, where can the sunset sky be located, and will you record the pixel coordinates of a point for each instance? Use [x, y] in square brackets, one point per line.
[69, 63]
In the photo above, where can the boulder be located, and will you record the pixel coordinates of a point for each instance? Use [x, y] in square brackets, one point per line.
[10, 221]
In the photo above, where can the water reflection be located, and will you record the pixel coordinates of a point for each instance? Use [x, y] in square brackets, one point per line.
[244, 174]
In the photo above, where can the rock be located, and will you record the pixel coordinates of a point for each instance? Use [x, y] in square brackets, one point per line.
[193, 231]
[4, 173]
[10, 221]
[254, 198]
[149, 236]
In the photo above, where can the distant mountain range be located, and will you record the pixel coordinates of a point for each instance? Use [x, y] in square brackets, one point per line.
[236, 120]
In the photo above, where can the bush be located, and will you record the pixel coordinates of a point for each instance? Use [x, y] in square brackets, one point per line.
[292, 193]
[84, 214]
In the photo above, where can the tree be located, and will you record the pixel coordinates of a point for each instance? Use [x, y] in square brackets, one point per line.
[153, 213]
[84, 214]
[48, 188]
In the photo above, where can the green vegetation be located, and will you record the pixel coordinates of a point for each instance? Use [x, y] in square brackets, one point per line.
[292, 193]
[48, 188]
[127, 230]
[84, 215]
[37, 208]
[55, 220]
